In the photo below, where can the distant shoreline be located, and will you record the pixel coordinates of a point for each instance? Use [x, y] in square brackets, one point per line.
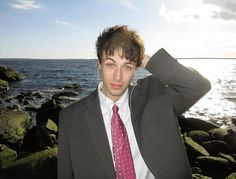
[179, 58]
[206, 58]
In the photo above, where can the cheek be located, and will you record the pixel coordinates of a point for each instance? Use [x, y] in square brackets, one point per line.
[106, 75]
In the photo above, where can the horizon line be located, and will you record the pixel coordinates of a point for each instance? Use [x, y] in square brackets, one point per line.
[180, 58]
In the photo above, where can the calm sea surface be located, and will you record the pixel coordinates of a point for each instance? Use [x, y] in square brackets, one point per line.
[47, 76]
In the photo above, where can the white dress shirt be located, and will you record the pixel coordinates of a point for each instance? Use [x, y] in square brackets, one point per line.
[141, 169]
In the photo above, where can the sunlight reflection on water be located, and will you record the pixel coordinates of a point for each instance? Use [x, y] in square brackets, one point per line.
[219, 105]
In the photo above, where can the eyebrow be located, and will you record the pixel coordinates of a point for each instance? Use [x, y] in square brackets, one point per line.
[127, 63]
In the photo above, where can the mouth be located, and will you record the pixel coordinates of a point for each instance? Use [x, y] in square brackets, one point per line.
[116, 86]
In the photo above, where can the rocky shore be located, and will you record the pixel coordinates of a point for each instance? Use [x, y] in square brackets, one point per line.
[28, 136]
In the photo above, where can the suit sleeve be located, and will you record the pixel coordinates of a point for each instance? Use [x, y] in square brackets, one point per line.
[184, 85]
[64, 168]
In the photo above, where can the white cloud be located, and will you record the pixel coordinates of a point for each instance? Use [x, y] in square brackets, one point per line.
[190, 15]
[65, 23]
[227, 9]
[26, 4]
[204, 11]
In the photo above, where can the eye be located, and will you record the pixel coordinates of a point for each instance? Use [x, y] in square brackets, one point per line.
[128, 67]
[109, 65]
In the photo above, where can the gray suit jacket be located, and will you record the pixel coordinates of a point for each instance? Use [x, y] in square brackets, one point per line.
[155, 102]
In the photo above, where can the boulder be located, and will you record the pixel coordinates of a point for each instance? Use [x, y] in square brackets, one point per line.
[55, 102]
[36, 166]
[9, 74]
[227, 135]
[49, 110]
[215, 167]
[13, 125]
[52, 127]
[66, 93]
[3, 86]
[218, 133]
[231, 176]
[230, 159]
[193, 148]
[199, 136]
[72, 86]
[215, 146]
[199, 176]
[230, 139]
[190, 124]
[42, 116]
[31, 107]
[36, 139]
[25, 97]
[7, 156]
[196, 170]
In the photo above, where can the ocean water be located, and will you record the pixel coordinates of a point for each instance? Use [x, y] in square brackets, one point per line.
[48, 76]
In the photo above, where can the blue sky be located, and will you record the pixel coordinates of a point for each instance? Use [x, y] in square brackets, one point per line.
[69, 28]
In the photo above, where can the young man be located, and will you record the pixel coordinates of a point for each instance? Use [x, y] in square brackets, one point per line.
[124, 131]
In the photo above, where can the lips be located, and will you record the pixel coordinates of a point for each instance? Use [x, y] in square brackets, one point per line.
[116, 86]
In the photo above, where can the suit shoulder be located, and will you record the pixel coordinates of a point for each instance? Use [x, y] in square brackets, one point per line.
[75, 105]
[151, 84]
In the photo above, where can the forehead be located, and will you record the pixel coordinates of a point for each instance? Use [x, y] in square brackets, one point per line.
[118, 53]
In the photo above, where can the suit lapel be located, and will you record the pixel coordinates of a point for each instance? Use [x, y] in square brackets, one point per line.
[98, 133]
[141, 127]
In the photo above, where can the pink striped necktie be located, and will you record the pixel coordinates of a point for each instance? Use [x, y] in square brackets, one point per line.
[124, 165]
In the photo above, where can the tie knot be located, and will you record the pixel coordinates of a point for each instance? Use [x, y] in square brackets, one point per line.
[115, 108]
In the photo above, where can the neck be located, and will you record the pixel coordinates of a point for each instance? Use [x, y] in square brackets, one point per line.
[113, 98]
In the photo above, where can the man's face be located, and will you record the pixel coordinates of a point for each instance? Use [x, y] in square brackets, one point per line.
[116, 73]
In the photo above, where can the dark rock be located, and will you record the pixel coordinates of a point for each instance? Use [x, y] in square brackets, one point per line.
[40, 165]
[13, 125]
[233, 120]
[194, 150]
[26, 102]
[3, 86]
[66, 93]
[71, 86]
[218, 133]
[215, 167]
[28, 96]
[231, 176]
[51, 113]
[52, 126]
[36, 139]
[38, 95]
[199, 176]
[7, 156]
[49, 110]
[55, 102]
[230, 159]
[32, 108]
[20, 96]
[199, 136]
[215, 146]
[190, 124]
[196, 170]
[227, 135]
[8, 100]
[234, 155]
[14, 107]
[230, 138]
[9, 74]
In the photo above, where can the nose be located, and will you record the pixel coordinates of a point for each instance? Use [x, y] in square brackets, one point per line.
[118, 74]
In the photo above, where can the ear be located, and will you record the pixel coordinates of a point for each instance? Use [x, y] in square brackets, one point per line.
[98, 65]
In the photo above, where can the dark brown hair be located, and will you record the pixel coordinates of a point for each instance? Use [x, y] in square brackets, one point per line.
[120, 37]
